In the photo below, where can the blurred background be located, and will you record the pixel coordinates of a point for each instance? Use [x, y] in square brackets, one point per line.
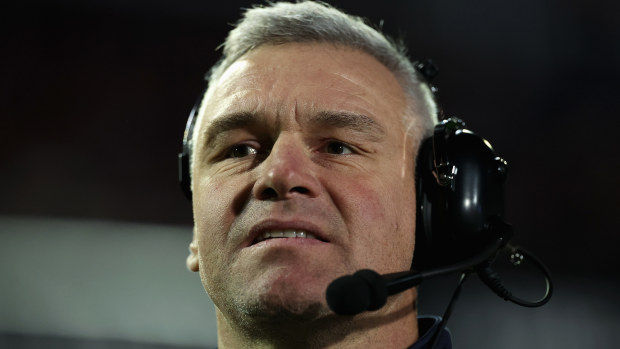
[94, 99]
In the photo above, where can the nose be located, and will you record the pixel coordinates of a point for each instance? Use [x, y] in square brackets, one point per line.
[286, 172]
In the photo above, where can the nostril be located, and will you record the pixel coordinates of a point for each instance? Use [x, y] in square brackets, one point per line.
[268, 194]
[300, 190]
[272, 194]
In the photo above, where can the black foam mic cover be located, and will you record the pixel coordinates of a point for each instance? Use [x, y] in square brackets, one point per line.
[353, 294]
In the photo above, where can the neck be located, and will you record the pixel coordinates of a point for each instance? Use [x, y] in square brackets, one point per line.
[393, 326]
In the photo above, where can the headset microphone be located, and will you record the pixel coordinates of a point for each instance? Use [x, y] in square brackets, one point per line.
[353, 294]
[366, 290]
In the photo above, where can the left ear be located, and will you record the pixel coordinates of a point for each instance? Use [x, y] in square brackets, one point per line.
[192, 259]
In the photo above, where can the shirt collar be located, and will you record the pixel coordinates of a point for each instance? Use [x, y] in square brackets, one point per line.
[427, 326]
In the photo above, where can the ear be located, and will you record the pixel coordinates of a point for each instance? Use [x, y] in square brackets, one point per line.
[192, 259]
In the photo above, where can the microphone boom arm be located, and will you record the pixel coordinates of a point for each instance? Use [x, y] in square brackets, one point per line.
[401, 281]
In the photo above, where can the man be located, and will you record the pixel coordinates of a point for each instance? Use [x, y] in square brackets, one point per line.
[303, 163]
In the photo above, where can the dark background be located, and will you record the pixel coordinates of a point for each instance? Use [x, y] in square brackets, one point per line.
[94, 97]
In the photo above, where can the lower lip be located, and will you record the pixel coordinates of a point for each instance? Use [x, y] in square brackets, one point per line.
[287, 242]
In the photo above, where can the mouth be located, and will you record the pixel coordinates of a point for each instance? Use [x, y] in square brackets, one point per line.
[296, 231]
[287, 233]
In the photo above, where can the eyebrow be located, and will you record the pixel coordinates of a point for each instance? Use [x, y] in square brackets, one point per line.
[349, 120]
[324, 119]
[227, 123]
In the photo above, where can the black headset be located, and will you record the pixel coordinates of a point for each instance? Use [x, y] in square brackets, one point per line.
[459, 185]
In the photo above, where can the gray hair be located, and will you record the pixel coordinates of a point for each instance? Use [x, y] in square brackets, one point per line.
[313, 21]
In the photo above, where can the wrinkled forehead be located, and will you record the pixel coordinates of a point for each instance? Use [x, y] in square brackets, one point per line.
[306, 76]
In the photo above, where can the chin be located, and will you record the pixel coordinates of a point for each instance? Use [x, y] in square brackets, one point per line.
[287, 299]
[277, 310]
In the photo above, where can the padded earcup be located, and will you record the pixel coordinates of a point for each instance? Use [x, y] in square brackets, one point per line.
[452, 220]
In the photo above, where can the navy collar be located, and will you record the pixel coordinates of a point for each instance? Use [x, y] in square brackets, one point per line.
[427, 326]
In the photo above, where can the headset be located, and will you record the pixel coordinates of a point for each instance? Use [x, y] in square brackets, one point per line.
[460, 191]
[459, 186]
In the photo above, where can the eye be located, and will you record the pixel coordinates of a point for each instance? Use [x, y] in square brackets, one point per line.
[338, 148]
[241, 150]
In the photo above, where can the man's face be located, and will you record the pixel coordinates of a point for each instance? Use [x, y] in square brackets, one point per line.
[300, 140]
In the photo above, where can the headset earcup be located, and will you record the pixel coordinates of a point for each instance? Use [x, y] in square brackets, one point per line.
[452, 221]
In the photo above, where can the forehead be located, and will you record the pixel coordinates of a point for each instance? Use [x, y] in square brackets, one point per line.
[296, 80]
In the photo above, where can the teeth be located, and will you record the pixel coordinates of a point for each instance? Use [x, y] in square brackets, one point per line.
[285, 234]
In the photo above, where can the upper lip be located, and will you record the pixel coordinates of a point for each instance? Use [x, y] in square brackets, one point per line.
[274, 224]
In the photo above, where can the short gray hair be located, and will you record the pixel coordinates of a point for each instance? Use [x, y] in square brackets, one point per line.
[313, 21]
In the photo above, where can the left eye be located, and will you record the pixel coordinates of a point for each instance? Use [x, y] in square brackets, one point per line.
[338, 148]
[241, 150]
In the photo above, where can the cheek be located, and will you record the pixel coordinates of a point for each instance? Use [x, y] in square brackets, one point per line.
[364, 202]
[209, 205]
[380, 217]
[212, 217]
[387, 202]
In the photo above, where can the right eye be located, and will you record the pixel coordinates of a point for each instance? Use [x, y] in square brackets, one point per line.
[241, 150]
